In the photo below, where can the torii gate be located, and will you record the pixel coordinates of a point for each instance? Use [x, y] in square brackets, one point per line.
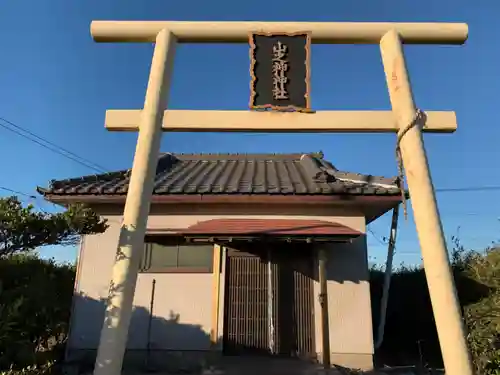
[152, 119]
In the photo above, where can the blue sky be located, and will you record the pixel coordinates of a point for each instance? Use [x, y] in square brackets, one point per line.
[56, 82]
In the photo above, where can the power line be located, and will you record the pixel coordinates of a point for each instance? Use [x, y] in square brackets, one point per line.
[18, 192]
[369, 230]
[467, 189]
[405, 252]
[374, 235]
[14, 128]
[29, 196]
[92, 165]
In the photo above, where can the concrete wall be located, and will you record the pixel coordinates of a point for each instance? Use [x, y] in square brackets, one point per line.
[183, 302]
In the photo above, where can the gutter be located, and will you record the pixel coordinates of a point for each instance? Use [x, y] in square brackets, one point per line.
[387, 278]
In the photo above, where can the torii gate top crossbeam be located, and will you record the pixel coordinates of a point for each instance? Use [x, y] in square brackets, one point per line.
[411, 151]
[238, 31]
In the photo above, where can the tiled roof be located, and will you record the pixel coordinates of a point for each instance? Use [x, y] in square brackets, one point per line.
[269, 227]
[244, 174]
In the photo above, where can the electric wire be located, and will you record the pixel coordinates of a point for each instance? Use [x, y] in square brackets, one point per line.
[17, 129]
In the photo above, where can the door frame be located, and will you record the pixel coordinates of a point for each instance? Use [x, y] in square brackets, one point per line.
[311, 330]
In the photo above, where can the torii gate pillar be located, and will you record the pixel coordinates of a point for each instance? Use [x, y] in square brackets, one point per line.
[390, 36]
[131, 242]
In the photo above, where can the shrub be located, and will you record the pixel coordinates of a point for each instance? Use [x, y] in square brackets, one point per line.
[410, 334]
[483, 316]
[45, 369]
[35, 301]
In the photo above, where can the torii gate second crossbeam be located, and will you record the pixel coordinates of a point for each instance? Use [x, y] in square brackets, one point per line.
[152, 119]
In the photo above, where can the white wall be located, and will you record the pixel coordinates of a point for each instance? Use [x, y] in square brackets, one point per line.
[349, 308]
[185, 295]
[190, 295]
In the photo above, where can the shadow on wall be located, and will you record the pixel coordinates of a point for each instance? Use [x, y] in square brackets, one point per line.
[350, 262]
[154, 343]
[347, 263]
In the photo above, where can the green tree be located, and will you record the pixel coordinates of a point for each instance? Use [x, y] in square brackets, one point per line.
[36, 294]
[25, 229]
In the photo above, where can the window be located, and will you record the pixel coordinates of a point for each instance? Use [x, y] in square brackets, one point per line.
[167, 254]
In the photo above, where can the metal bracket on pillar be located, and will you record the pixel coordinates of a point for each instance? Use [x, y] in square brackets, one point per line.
[322, 298]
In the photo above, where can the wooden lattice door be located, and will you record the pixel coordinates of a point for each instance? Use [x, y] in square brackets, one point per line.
[258, 321]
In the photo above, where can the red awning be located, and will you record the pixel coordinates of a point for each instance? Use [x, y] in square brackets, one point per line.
[269, 227]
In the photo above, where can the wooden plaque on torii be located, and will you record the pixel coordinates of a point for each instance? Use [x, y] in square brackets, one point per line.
[153, 119]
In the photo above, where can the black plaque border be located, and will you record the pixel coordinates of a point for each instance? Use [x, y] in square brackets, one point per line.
[253, 93]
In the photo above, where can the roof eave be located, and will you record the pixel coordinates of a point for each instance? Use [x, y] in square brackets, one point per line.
[227, 198]
[42, 191]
